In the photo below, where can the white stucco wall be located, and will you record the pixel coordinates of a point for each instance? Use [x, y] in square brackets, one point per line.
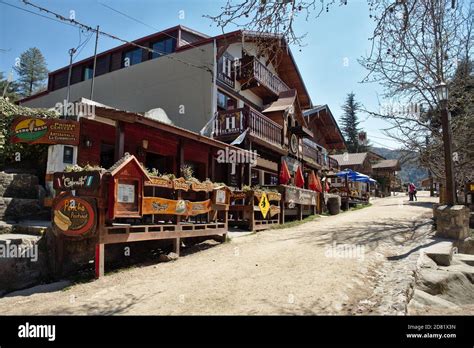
[184, 92]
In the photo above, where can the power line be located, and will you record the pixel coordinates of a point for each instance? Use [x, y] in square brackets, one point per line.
[88, 28]
[36, 14]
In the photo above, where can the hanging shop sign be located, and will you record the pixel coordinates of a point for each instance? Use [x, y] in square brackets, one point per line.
[76, 180]
[33, 130]
[158, 205]
[159, 182]
[74, 216]
[299, 196]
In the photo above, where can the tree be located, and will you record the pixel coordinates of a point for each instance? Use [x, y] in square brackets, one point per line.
[32, 71]
[8, 89]
[415, 46]
[350, 124]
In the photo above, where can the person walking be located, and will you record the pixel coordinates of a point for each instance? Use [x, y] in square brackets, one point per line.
[412, 191]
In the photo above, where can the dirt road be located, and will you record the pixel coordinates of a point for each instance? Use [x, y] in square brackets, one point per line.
[358, 262]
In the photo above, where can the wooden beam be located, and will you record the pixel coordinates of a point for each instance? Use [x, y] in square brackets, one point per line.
[119, 141]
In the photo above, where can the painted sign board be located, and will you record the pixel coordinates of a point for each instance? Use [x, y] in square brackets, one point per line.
[74, 216]
[87, 180]
[299, 196]
[33, 130]
[158, 205]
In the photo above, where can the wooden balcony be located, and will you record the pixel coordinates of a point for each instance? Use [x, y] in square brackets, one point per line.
[256, 76]
[231, 123]
[313, 154]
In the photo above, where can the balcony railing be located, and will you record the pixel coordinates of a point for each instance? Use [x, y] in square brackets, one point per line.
[236, 121]
[312, 152]
[253, 73]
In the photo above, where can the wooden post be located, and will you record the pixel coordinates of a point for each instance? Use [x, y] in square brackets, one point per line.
[300, 211]
[119, 141]
[176, 245]
[99, 260]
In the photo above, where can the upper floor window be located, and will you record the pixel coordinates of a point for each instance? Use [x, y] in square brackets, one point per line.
[162, 47]
[226, 69]
[224, 102]
[132, 57]
[87, 72]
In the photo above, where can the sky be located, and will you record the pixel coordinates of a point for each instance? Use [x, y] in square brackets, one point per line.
[327, 61]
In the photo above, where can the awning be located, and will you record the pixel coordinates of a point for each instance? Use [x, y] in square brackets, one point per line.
[352, 175]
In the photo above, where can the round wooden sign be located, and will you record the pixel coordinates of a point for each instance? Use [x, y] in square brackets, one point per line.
[74, 216]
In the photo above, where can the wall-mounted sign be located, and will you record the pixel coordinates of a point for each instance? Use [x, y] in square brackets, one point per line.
[34, 130]
[299, 196]
[74, 216]
[157, 205]
[76, 180]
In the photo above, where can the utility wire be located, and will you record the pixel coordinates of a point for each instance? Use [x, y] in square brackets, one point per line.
[89, 28]
[36, 14]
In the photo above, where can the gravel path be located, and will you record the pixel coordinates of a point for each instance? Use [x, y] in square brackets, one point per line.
[358, 262]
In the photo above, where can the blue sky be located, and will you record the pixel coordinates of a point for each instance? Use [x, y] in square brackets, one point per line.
[341, 33]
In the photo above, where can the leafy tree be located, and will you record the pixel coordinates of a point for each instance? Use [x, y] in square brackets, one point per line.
[8, 89]
[350, 124]
[32, 71]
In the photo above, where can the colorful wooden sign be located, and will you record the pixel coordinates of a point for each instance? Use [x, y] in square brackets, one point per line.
[74, 216]
[159, 182]
[158, 205]
[33, 130]
[87, 180]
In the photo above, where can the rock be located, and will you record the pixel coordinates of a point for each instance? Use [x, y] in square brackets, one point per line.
[441, 253]
[451, 284]
[425, 261]
[167, 258]
[422, 299]
[466, 246]
[463, 268]
[18, 185]
[464, 258]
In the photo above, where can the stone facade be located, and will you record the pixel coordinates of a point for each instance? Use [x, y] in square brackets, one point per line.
[452, 222]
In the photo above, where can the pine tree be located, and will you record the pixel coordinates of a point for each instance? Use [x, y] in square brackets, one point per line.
[32, 71]
[350, 123]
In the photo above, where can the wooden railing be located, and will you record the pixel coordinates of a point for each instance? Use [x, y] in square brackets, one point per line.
[252, 68]
[312, 152]
[236, 121]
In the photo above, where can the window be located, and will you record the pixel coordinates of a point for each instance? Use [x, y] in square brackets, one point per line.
[132, 57]
[87, 72]
[224, 102]
[226, 70]
[270, 179]
[162, 47]
[68, 154]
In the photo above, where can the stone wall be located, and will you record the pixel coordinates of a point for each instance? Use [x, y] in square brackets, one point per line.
[452, 222]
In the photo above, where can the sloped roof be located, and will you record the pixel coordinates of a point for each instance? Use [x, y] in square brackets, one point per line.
[350, 159]
[325, 121]
[391, 163]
